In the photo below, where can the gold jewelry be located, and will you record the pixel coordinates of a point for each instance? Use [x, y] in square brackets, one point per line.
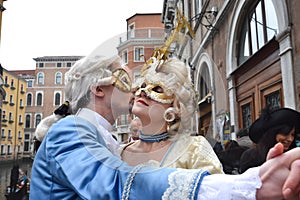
[170, 115]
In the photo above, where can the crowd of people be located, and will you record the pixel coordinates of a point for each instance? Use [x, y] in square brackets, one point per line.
[253, 144]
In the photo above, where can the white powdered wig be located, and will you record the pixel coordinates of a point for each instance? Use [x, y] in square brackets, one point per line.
[90, 71]
[175, 78]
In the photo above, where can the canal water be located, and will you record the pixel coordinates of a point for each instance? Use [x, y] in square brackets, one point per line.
[5, 167]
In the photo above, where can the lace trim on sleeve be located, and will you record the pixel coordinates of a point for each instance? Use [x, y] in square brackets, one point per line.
[184, 184]
[223, 186]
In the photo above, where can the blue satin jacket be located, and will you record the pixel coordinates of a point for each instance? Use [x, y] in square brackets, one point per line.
[73, 162]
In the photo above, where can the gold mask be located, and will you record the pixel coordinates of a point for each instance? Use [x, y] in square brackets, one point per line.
[155, 91]
[122, 80]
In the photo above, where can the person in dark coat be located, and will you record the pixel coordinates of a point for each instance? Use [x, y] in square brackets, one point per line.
[270, 128]
[230, 157]
[14, 176]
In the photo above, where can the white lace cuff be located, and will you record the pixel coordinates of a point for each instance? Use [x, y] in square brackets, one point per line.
[227, 187]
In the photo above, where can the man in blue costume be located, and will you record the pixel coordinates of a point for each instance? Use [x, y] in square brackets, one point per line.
[78, 158]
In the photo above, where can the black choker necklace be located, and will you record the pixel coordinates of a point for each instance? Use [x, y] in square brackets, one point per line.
[153, 138]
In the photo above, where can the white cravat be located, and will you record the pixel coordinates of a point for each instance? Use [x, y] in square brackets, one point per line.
[103, 127]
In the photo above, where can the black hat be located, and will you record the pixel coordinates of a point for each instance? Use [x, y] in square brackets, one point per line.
[269, 119]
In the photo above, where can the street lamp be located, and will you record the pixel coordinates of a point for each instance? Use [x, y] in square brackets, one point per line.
[208, 15]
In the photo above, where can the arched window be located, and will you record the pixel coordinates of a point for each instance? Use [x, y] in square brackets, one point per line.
[57, 99]
[29, 99]
[38, 119]
[259, 26]
[204, 82]
[39, 99]
[40, 78]
[58, 78]
[27, 121]
[257, 50]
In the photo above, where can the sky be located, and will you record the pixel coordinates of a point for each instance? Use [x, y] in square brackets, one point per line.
[37, 28]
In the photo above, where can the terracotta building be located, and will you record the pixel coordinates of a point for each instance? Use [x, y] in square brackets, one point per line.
[144, 33]
[244, 57]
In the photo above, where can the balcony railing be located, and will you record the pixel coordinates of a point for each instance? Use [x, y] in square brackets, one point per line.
[152, 33]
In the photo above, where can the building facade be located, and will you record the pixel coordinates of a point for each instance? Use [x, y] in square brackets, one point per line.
[244, 57]
[2, 91]
[29, 77]
[12, 117]
[44, 92]
[144, 33]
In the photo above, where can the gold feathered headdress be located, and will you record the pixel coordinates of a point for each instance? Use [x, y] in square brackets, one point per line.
[161, 54]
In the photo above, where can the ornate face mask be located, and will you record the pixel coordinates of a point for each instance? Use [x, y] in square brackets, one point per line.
[155, 91]
[121, 80]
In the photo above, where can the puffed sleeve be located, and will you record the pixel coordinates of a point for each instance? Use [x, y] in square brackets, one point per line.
[203, 156]
[193, 152]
